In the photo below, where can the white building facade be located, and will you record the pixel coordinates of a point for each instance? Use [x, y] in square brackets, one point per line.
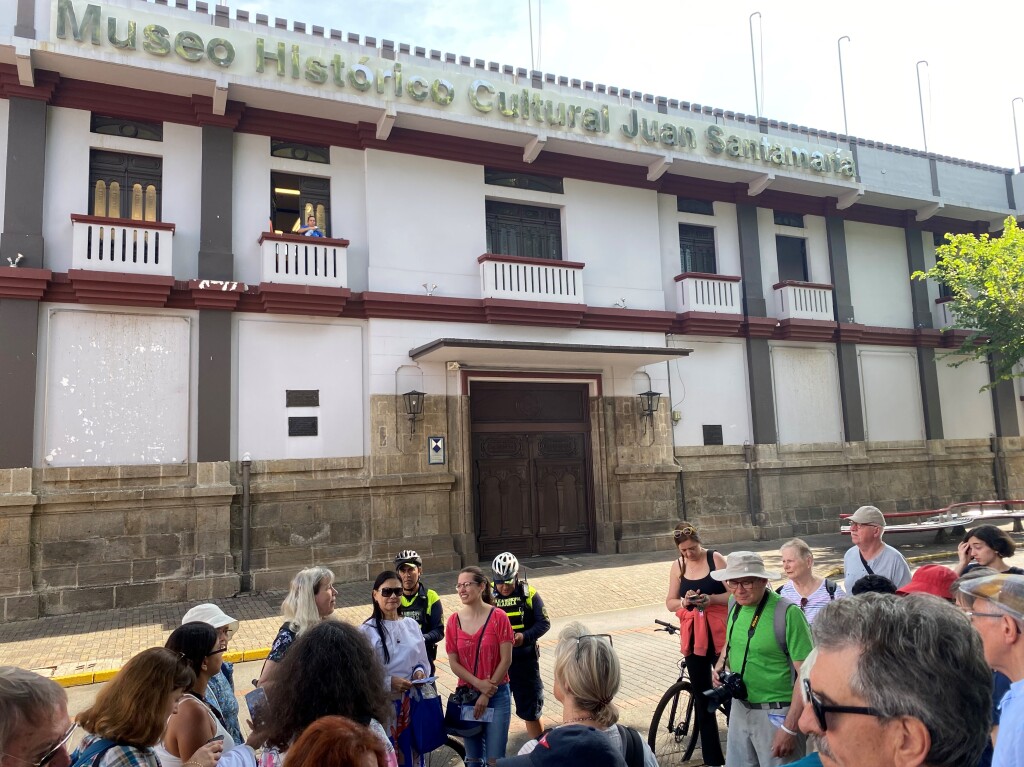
[199, 399]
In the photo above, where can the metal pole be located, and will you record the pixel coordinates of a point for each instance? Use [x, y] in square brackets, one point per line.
[1016, 134]
[753, 62]
[842, 84]
[920, 101]
[246, 580]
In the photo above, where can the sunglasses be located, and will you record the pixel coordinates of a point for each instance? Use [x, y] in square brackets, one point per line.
[390, 591]
[49, 755]
[821, 708]
[686, 532]
[579, 641]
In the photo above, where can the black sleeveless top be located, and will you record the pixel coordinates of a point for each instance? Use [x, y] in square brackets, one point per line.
[706, 585]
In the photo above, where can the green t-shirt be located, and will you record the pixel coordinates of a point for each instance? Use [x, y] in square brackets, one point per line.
[767, 674]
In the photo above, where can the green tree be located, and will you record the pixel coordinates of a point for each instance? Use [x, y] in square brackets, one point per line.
[985, 276]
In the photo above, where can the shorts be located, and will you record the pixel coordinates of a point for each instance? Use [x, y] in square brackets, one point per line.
[527, 687]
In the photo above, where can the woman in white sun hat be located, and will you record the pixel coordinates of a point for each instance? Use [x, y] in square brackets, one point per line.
[220, 691]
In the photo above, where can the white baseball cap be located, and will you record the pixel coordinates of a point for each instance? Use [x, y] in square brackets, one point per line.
[210, 613]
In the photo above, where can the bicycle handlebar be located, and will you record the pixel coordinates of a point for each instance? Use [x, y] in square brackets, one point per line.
[671, 628]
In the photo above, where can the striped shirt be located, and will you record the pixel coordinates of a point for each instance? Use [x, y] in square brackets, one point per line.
[812, 604]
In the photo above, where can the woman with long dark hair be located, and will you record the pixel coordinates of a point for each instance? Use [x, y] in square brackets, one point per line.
[132, 710]
[331, 670]
[195, 722]
[479, 639]
[398, 644]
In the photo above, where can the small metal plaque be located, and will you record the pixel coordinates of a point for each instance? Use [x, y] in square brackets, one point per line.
[303, 426]
[713, 434]
[435, 450]
[302, 398]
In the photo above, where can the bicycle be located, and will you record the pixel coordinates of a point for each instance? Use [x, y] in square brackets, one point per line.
[451, 754]
[673, 729]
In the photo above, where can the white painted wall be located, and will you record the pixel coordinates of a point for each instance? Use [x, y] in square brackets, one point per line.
[890, 394]
[966, 411]
[251, 203]
[813, 231]
[66, 183]
[116, 387]
[424, 223]
[710, 387]
[727, 241]
[8, 17]
[275, 354]
[4, 116]
[807, 403]
[879, 275]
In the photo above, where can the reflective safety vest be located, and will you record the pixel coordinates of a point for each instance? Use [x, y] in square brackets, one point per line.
[518, 606]
[418, 606]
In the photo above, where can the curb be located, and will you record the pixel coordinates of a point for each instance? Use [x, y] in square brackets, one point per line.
[95, 677]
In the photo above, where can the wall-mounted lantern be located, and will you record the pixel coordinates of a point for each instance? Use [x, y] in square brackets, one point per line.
[413, 406]
[649, 401]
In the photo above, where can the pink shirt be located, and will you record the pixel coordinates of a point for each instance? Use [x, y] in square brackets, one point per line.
[463, 645]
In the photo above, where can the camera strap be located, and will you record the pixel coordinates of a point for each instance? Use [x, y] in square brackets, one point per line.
[753, 627]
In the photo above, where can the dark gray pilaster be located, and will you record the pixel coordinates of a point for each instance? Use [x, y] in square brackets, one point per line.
[846, 353]
[23, 205]
[750, 261]
[927, 373]
[762, 392]
[25, 26]
[19, 321]
[214, 434]
[216, 262]
[1004, 408]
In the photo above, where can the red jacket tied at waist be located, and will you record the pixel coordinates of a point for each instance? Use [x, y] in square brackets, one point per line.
[693, 634]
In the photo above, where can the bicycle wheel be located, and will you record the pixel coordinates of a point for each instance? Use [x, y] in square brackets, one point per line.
[451, 754]
[673, 734]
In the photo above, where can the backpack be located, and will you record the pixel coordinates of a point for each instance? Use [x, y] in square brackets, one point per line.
[779, 624]
[633, 746]
[93, 753]
[830, 587]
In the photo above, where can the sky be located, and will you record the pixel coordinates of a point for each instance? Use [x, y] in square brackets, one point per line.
[701, 53]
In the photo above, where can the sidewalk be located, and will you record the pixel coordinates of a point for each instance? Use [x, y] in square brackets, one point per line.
[78, 649]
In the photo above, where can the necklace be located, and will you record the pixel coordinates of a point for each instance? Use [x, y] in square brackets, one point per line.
[580, 719]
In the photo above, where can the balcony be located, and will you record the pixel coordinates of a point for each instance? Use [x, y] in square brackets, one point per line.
[531, 279]
[943, 316]
[712, 293]
[294, 259]
[804, 301]
[121, 245]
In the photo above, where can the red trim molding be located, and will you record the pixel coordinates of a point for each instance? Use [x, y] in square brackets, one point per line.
[759, 327]
[799, 284]
[943, 299]
[704, 276]
[506, 312]
[805, 330]
[609, 318]
[214, 294]
[275, 237]
[78, 218]
[302, 299]
[708, 324]
[24, 283]
[114, 288]
[531, 261]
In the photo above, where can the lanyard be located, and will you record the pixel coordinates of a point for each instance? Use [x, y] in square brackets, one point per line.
[753, 627]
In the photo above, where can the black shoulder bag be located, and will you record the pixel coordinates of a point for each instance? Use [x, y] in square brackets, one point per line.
[465, 695]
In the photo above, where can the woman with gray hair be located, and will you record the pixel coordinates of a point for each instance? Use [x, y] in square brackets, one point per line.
[587, 677]
[804, 589]
[312, 598]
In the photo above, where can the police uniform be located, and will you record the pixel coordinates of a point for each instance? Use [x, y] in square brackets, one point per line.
[528, 616]
[424, 607]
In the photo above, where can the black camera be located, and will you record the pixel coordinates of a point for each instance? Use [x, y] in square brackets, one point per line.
[732, 687]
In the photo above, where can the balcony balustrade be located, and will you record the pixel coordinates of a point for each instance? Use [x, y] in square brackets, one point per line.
[804, 301]
[122, 245]
[531, 279]
[713, 293]
[294, 259]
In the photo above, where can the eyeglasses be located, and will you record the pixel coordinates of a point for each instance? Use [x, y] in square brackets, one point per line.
[855, 525]
[464, 586]
[745, 583]
[579, 641]
[218, 651]
[821, 708]
[49, 755]
[972, 615]
[388, 592]
[686, 532]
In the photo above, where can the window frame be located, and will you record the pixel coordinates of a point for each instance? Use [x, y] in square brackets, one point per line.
[686, 261]
[527, 243]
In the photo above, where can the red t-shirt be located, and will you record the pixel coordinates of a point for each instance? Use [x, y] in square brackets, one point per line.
[463, 645]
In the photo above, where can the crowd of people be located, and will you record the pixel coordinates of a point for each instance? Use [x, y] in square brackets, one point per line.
[898, 668]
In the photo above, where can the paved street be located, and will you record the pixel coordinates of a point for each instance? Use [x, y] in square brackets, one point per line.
[618, 594]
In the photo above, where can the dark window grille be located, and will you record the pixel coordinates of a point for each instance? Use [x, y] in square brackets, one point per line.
[789, 219]
[937, 240]
[293, 150]
[125, 185]
[530, 181]
[697, 249]
[792, 254]
[713, 434]
[117, 126]
[523, 230]
[689, 205]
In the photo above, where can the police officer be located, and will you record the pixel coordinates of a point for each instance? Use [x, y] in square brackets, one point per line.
[420, 603]
[529, 619]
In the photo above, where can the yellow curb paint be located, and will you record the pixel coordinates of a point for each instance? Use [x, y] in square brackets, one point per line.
[103, 676]
[260, 653]
[234, 656]
[74, 680]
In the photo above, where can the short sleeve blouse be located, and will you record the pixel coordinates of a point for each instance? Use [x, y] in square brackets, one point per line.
[497, 632]
[283, 640]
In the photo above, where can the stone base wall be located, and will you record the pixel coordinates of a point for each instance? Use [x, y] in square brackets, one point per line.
[802, 489]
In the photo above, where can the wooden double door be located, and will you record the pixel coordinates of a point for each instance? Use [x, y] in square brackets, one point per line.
[532, 476]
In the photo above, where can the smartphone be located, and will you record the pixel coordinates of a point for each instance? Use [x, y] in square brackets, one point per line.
[256, 700]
